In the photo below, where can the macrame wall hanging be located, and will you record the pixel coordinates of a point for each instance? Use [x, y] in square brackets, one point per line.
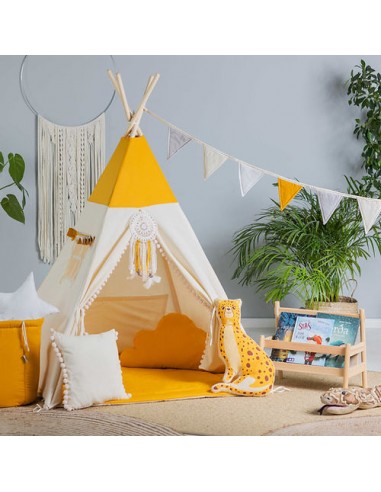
[70, 162]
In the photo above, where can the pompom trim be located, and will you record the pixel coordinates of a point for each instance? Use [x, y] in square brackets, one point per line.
[65, 374]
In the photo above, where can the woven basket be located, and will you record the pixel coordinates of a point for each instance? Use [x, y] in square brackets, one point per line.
[346, 305]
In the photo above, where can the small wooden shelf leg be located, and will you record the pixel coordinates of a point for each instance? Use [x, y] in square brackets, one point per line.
[262, 342]
[347, 360]
[364, 374]
[364, 378]
[280, 374]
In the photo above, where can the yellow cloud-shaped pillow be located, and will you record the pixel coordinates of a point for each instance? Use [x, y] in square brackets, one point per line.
[176, 343]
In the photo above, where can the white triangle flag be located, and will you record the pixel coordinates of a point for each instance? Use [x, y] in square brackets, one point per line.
[212, 161]
[176, 140]
[328, 201]
[370, 209]
[248, 177]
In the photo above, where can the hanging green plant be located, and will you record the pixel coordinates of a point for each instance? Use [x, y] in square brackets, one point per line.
[10, 203]
[364, 91]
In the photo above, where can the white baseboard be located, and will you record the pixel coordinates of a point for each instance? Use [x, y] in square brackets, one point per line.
[267, 323]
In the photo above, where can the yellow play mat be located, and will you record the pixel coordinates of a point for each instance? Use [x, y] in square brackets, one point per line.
[147, 385]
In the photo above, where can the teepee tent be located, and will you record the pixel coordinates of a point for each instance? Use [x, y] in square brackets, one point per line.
[132, 258]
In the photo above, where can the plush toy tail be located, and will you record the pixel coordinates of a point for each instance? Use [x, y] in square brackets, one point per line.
[243, 387]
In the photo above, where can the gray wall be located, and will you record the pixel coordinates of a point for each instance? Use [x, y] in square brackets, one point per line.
[288, 114]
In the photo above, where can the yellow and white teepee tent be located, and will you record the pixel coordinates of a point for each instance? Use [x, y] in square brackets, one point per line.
[132, 258]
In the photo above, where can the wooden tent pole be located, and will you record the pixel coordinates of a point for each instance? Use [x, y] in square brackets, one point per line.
[123, 95]
[118, 86]
[133, 129]
[135, 120]
[113, 80]
[130, 128]
[124, 100]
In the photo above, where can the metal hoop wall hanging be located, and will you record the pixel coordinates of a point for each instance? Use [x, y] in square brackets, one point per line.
[34, 111]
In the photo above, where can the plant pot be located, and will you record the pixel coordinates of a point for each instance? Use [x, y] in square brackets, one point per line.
[345, 305]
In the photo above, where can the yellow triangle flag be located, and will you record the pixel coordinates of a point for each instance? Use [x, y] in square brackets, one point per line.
[287, 191]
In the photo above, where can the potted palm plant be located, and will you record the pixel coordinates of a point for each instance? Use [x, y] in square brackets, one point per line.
[292, 251]
[10, 203]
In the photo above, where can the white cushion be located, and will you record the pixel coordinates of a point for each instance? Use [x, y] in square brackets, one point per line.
[91, 369]
[24, 303]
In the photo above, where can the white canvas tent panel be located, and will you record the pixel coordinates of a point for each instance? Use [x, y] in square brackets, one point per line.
[185, 269]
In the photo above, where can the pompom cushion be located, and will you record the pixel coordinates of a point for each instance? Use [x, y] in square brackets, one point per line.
[19, 361]
[91, 369]
[24, 303]
[176, 343]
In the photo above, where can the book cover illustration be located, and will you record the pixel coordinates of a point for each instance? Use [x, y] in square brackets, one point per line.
[284, 331]
[311, 330]
[345, 330]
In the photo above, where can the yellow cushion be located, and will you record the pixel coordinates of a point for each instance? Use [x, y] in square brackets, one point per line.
[19, 379]
[176, 343]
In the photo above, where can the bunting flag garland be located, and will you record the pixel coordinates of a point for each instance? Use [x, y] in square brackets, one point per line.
[287, 192]
[248, 177]
[328, 201]
[212, 160]
[176, 140]
[370, 209]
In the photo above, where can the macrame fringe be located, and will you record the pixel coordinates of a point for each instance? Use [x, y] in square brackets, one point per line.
[70, 162]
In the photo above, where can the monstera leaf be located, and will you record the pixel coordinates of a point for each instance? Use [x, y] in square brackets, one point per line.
[10, 203]
[16, 167]
[13, 208]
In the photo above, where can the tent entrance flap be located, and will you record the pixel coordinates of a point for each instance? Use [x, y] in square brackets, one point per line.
[127, 295]
[126, 305]
[127, 315]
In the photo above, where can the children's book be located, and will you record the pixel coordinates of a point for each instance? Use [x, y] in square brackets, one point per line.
[345, 330]
[284, 332]
[315, 331]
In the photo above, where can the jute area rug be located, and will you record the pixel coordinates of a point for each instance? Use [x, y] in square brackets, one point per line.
[289, 413]
[239, 416]
[23, 421]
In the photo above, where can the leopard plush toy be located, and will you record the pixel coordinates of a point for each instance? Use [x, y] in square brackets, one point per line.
[248, 369]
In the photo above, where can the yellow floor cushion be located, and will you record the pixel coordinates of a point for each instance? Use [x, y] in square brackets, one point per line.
[176, 343]
[19, 361]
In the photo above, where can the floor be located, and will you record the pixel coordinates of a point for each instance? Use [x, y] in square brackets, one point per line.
[373, 344]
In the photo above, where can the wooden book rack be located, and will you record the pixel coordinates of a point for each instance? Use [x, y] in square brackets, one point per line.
[354, 355]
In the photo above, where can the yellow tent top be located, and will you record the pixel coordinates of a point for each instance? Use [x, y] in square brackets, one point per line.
[132, 178]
